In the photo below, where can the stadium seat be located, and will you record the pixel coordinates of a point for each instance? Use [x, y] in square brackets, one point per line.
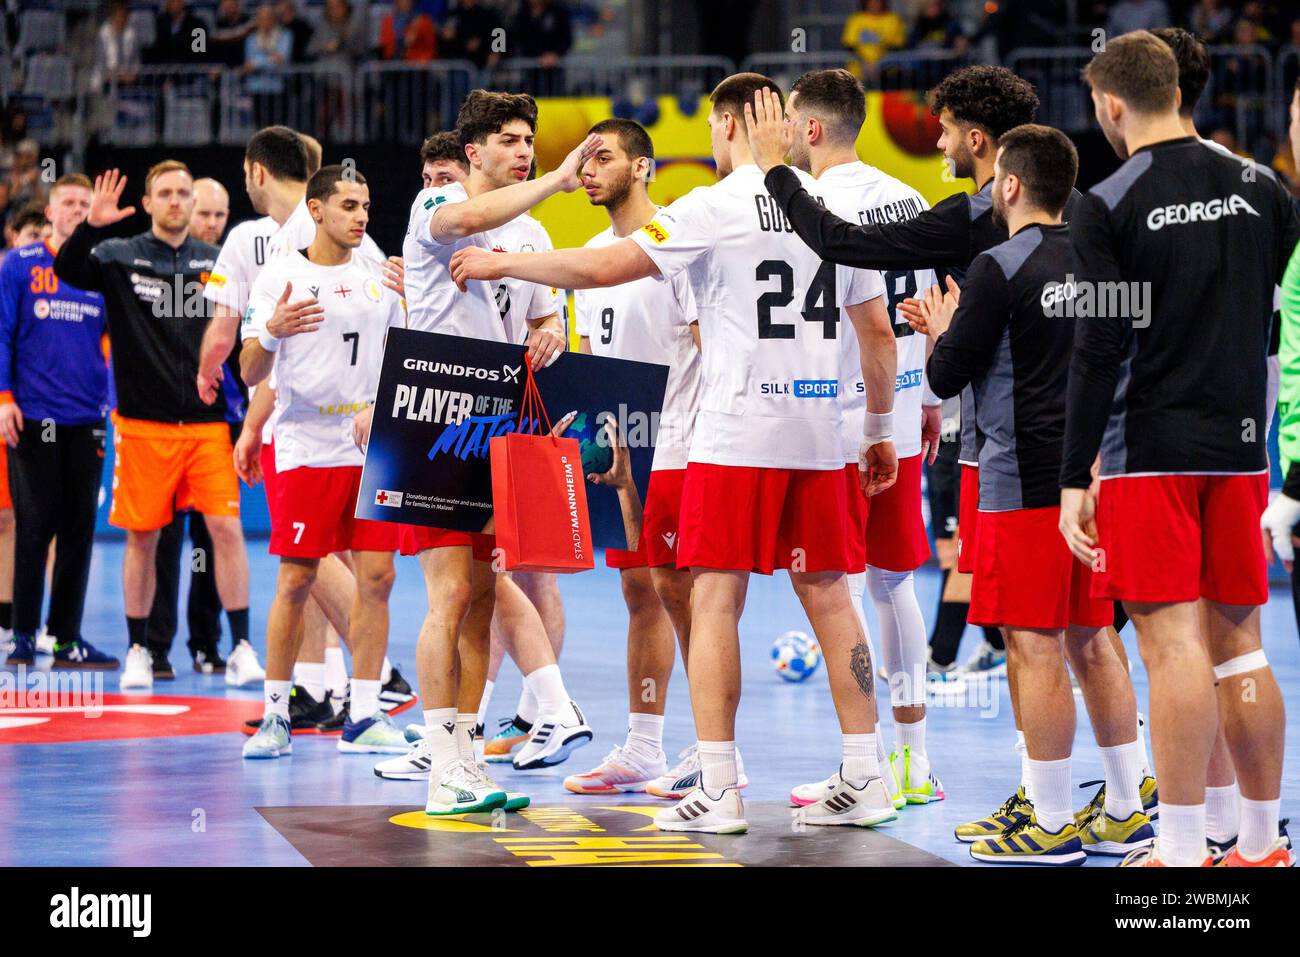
[41, 31]
[48, 75]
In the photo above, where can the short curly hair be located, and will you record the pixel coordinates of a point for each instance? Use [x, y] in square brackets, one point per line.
[989, 97]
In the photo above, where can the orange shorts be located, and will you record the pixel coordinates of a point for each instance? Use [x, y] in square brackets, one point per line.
[6, 501]
[159, 467]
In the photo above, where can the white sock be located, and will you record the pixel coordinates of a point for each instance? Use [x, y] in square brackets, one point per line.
[440, 735]
[275, 698]
[552, 699]
[1259, 828]
[645, 735]
[336, 673]
[365, 698]
[1051, 783]
[465, 734]
[1142, 745]
[717, 766]
[1123, 766]
[527, 707]
[1023, 751]
[858, 763]
[385, 671]
[311, 675]
[1182, 835]
[481, 717]
[912, 736]
[903, 639]
[882, 757]
[1222, 813]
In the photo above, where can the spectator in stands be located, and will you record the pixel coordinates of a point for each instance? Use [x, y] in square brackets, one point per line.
[1022, 23]
[25, 186]
[467, 34]
[1129, 15]
[266, 50]
[871, 33]
[407, 34]
[117, 48]
[338, 40]
[443, 160]
[176, 35]
[230, 30]
[936, 29]
[1211, 20]
[543, 30]
[299, 29]
[1253, 16]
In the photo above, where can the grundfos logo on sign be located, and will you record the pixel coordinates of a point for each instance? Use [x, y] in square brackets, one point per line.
[1197, 212]
[504, 374]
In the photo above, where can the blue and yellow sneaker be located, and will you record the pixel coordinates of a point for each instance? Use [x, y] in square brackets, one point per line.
[374, 735]
[512, 734]
[1014, 810]
[1028, 843]
[1148, 792]
[22, 650]
[919, 785]
[1111, 837]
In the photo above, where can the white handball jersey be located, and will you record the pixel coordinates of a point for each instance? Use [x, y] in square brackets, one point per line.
[518, 301]
[770, 325]
[863, 194]
[649, 321]
[324, 378]
[250, 245]
[433, 302]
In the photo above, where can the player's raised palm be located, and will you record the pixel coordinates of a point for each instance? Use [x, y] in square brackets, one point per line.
[571, 169]
[104, 199]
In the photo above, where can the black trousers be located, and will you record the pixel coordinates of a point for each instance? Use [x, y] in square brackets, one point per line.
[54, 477]
[203, 607]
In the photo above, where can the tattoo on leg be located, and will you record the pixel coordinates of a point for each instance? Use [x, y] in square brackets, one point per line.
[860, 665]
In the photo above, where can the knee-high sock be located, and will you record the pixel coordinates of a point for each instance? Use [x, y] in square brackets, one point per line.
[902, 634]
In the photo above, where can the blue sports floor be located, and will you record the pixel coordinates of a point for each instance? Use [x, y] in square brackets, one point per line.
[192, 800]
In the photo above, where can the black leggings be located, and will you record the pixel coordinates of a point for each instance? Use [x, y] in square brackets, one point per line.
[203, 609]
[54, 477]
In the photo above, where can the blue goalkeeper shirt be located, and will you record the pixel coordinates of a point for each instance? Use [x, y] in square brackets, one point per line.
[51, 360]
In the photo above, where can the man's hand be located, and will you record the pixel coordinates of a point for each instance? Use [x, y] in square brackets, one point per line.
[570, 171]
[361, 427]
[475, 262]
[1277, 521]
[931, 429]
[290, 320]
[620, 471]
[104, 199]
[1079, 523]
[11, 423]
[877, 467]
[769, 139]
[207, 382]
[932, 314]
[248, 456]
[545, 345]
[394, 270]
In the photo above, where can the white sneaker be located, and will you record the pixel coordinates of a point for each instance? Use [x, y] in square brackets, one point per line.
[461, 789]
[618, 772]
[698, 811]
[684, 777]
[515, 800]
[551, 742]
[801, 795]
[45, 642]
[415, 733]
[138, 672]
[243, 668]
[411, 766]
[866, 806]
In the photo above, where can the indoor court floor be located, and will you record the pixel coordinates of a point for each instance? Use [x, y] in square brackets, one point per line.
[158, 780]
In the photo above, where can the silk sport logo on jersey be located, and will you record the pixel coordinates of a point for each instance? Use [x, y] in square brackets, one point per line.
[802, 388]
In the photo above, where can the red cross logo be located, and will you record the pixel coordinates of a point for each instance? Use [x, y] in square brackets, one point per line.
[381, 498]
[342, 291]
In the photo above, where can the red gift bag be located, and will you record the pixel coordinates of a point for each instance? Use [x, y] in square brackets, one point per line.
[539, 495]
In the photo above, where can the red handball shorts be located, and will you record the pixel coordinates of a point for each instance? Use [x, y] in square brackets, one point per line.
[887, 530]
[740, 518]
[1172, 538]
[659, 524]
[968, 516]
[1027, 577]
[314, 515]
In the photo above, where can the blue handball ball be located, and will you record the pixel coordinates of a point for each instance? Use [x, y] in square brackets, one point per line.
[795, 656]
[593, 442]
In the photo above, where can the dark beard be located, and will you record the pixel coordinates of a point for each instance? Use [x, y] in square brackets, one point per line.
[617, 195]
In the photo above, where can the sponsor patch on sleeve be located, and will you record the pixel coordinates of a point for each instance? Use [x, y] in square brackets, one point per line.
[217, 279]
[656, 232]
